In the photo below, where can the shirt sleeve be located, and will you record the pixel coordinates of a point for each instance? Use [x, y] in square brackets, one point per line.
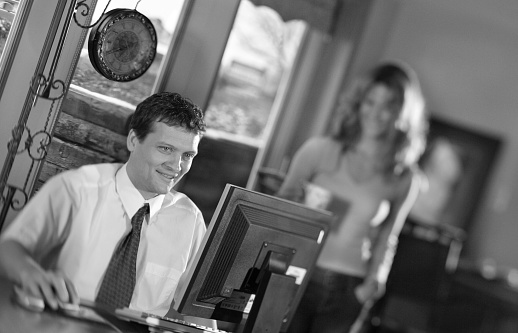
[304, 165]
[41, 226]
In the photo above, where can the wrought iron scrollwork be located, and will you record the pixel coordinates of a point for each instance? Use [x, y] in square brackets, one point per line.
[41, 87]
[14, 198]
[18, 197]
[23, 141]
[36, 152]
[85, 11]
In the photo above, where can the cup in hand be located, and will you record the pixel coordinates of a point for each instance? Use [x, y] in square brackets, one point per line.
[316, 196]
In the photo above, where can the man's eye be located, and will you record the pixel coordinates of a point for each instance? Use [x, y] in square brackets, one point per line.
[165, 149]
[189, 156]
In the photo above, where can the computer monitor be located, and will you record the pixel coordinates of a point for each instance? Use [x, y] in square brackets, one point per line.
[254, 262]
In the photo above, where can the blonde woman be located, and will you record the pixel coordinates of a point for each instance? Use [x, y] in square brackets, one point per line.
[368, 168]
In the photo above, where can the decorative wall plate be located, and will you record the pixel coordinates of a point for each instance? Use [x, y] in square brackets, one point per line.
[122, 46]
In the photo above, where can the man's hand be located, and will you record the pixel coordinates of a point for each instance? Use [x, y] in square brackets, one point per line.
[54, 288]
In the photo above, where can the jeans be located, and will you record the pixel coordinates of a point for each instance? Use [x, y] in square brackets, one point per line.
[328, 305]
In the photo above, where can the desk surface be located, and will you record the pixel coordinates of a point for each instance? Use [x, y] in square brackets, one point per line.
[14, 318]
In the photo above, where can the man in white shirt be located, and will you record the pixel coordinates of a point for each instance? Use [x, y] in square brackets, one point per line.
[59, 247]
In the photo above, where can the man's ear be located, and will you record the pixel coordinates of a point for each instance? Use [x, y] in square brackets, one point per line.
[131, 140]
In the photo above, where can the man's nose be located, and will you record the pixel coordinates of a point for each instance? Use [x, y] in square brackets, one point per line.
[174, 162]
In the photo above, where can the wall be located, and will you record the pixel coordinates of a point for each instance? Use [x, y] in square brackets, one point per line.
[316, 83]
[88, 131]
[465, 54]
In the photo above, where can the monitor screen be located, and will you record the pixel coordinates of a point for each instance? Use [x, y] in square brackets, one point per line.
[255, 259]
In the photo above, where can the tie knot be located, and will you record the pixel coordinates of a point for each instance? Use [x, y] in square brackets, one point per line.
[139, 215]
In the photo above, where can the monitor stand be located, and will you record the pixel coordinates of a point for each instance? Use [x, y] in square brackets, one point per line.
[270, 304]
[272, 299]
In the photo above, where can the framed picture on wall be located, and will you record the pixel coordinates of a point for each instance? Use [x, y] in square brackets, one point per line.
[457, 164]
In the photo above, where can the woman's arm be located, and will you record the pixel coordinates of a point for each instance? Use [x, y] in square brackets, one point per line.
[302, 168]
[385, 244]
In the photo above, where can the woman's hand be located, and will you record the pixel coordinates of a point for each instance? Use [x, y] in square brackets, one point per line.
[370, 289]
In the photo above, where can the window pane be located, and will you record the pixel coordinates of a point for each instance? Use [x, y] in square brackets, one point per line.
[260, 51]
[8, 9]
[164, 14]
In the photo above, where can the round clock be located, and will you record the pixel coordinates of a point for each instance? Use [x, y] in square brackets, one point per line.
[122, 46]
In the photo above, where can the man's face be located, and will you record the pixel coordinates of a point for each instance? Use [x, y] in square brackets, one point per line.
[158, 162]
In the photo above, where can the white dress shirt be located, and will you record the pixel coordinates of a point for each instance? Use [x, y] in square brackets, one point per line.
[78, 217]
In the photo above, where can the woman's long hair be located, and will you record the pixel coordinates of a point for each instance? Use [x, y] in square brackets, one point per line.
[411, 127]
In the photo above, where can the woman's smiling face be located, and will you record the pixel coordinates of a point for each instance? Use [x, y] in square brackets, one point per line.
[379, 111]
[158, 162]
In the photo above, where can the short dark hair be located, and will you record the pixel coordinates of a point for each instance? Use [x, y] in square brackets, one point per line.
[169, 108]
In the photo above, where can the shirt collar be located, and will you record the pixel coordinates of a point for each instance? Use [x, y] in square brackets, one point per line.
[131, 198]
